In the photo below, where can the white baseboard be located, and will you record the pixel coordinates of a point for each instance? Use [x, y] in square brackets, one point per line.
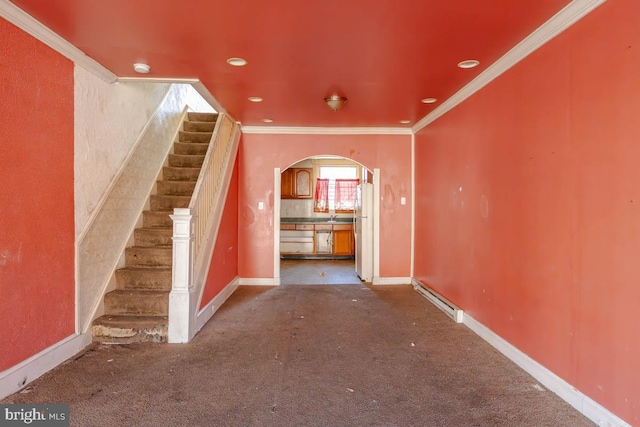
[583, 404]
[16, 377]
[391, 281]
[266, 281]
[210, 309]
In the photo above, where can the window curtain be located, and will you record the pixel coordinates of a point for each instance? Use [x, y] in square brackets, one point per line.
[321, 202]
[346, 194]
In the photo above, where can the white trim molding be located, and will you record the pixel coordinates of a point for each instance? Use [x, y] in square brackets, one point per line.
[387, 281]
[582, 403]
[27, 23]
[283, 130]
[276, 225]
[16, 377]
[572, 13]
[214, 305]
[258, 281]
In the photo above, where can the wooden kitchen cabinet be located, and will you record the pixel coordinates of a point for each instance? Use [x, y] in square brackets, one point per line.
[343, 242]
[296, 183]
[286, 184]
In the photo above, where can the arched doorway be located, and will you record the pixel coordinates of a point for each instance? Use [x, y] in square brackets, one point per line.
[322, 238]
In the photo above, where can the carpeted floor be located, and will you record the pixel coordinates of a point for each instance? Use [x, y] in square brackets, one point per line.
[302, 355]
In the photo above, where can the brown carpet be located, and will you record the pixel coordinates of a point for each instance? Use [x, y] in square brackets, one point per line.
[307, 356]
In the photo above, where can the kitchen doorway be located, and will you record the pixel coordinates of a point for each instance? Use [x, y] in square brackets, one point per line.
[316, 246]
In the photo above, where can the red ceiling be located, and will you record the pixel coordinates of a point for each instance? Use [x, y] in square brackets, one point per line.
[384, 55]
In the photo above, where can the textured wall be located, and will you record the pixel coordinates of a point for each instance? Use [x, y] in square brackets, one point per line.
[36, 196]
[224, 262]
[260, 154]
[101, 244]
[109, 119]
[528, 206]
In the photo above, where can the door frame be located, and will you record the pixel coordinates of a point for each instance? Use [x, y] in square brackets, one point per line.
[276, 226]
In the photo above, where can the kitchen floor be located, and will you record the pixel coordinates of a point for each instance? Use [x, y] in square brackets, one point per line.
[318, 272]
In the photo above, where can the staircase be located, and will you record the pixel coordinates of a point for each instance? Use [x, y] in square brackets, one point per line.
[137, 311]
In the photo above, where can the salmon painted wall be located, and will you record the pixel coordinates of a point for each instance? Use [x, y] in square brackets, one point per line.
[260, 154]
[528, 199]
[36, 198]
[224, 263]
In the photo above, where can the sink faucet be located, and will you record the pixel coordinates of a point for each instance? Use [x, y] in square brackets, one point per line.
[332, 217]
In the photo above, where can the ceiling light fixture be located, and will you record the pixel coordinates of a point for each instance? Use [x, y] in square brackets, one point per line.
[255, 99]
[428, 100]
[469, 63]
[335, 102]
[405, 122]
[237, 62]
[267, 120]
[141, 68]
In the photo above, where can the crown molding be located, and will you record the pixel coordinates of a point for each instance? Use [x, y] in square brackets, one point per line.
[572, 13]
[282, 130]
[25, 22]
[157, 80]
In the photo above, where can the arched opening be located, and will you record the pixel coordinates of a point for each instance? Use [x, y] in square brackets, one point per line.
[325, 217]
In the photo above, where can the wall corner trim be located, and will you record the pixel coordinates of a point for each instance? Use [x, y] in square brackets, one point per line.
[562, 20]
[591, 409]
[16, 377]
[214, 305]
[27, 23]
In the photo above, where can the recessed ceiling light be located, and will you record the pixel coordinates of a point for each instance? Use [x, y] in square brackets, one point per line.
[141, 68]
[237, 62]
[428, 100]
[405, 122]
[267, 120]
[255, 99]
[469, 63]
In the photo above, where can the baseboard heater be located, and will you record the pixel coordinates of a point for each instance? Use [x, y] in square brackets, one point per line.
[449, 308]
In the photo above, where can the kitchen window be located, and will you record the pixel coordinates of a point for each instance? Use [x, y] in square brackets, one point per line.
[336, 189]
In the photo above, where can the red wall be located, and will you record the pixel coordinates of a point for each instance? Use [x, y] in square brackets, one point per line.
[36, 198]
[260, 154]
[542, 244]
[224, 263]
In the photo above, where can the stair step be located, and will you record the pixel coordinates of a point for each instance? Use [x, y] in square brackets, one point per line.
[136, 303]
[195, 126]
[180, 174]
[197, 148]
[185, 136]
[144, 256]
[157, 219]
[202, 117]
[176, 188]
[153, 236]
[143, 279]
[160, 202]
[186, 160]
[130, 329]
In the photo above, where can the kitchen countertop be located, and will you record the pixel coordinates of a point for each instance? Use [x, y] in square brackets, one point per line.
[342, 220]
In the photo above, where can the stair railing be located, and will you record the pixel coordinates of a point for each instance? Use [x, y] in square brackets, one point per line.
[195, 229]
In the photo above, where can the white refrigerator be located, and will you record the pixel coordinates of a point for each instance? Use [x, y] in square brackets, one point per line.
[363, 230]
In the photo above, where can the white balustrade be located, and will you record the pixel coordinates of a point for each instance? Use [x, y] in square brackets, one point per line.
[194, 230]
